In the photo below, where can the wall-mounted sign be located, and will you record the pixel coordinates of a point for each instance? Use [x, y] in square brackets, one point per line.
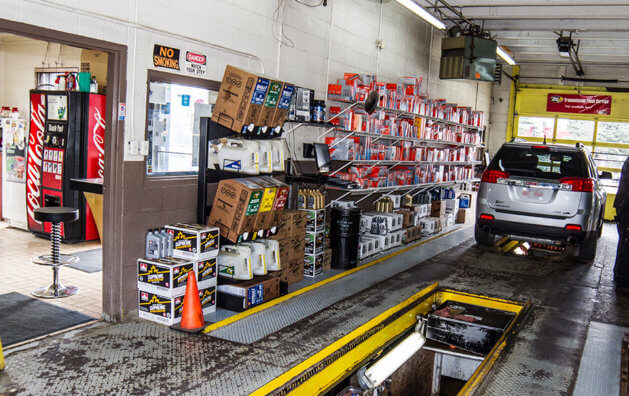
[579, 104]
[195, 63]
[165, 57]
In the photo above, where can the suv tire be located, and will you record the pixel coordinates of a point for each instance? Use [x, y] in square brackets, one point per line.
[484, 238]
[587, 249]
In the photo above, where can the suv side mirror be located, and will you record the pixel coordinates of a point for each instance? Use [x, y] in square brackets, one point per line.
[605, 175]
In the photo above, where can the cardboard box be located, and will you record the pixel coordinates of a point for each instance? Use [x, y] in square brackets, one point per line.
[257, 100]
[165, 276]
[327, 259]
[313, 242]
[315, 219]
[299, 219]
[206, 271]
[194, 241]
[465, 216]
[438, 209]
[366, 247]
[243, 295]
[283, 105]
[303, 99]
[266, 217]
[285, 253]
[452, 205]
[234, 98]
[430, 225]
[313, 265]
[270, 104]
[395, 198]
[292, 271]
[167, 310]
[449, 219]
[408, 217]
[281, 197]
[235, 208]
[284, 225]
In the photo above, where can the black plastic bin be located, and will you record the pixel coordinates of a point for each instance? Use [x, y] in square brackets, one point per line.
[344, 232]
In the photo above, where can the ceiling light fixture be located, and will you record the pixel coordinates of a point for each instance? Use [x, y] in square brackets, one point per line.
[422, 13]
[506, 57]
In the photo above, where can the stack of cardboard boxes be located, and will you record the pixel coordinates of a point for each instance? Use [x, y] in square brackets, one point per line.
[314, 255]
[162, 281]
[248, 209]
[252, 104]
[291, 237]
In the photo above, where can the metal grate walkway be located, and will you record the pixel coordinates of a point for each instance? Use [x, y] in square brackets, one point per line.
[261, 324]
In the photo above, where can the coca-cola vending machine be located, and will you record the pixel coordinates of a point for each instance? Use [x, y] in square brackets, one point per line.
[66, 141]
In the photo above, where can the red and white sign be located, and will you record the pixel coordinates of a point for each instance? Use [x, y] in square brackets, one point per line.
[34, 161]
[195, 63]
[579, 104]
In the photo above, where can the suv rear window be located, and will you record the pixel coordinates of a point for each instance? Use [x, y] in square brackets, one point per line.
[540, 163]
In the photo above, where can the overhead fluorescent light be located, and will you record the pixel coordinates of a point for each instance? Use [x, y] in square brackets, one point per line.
[506, 57]
[422, 13]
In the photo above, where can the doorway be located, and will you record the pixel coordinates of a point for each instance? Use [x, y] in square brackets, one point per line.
[98, 273]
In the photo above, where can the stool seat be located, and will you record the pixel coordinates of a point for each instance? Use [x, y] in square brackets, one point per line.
[56, 214]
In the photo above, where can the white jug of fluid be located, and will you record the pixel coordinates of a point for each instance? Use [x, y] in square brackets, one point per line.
[235, 155]
[278, 155]
[234, 262]
[266, 160]
[258, 258]
[272, 253]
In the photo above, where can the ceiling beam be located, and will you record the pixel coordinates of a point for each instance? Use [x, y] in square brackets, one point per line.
[547, 12]
[534, 3]
[607, 25]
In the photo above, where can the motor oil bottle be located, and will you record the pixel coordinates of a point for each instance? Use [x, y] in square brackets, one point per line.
[310, 199]
[301, 199]
[258, 258]
[272, 254]
[235, 155]
[277, 155]
[234, 262]
[265, 156]
[152, 245]
[168, 243]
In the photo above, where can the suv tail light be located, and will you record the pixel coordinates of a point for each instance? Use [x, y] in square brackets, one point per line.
[492, 176]
[579, 184]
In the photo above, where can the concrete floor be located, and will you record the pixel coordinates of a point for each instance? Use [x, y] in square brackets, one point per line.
[140, 357]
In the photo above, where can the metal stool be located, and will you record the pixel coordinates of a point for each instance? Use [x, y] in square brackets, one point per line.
[55, 215]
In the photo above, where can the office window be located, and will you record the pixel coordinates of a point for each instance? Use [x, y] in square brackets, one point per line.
[174, 102]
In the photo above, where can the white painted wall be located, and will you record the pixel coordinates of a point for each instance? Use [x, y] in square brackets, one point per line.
[327, 41]
[20, 56]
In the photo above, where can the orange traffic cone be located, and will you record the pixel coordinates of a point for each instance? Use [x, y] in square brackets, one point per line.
[192, 314]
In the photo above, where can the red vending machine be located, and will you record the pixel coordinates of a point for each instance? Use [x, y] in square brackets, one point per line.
[66, 141]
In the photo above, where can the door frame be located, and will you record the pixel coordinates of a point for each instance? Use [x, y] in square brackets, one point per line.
[112, 290]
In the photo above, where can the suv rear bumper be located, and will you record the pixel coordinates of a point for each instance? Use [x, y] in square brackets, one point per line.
[533, 230]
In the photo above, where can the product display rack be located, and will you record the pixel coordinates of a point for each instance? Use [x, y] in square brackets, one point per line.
[209, 130]
[409, 114]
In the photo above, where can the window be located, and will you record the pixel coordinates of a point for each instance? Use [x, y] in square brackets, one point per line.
[612, 132]
[581, 130]
[540, 163]
[174, 103]
[536, 127]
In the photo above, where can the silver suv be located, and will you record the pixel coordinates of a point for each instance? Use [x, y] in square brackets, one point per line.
[542, 193]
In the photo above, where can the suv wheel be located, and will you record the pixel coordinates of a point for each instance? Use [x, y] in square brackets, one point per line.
[484, 238]
[587, 249]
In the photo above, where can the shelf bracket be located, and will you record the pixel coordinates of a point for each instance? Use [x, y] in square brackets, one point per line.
[342, 139]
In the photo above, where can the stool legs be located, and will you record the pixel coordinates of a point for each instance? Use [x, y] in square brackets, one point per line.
[55, 289]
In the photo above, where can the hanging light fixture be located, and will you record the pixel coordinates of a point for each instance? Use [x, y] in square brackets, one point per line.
[504, 55]
[422, 13]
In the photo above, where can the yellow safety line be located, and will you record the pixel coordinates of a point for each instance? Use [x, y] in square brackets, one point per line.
[278, 300]
[1, 357]
[325, 352]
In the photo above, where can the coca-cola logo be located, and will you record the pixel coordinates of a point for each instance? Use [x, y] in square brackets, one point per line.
[195, 58]
[34, 162]
[99, 141]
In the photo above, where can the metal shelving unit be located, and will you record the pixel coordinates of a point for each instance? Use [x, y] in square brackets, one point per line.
[378, 136]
